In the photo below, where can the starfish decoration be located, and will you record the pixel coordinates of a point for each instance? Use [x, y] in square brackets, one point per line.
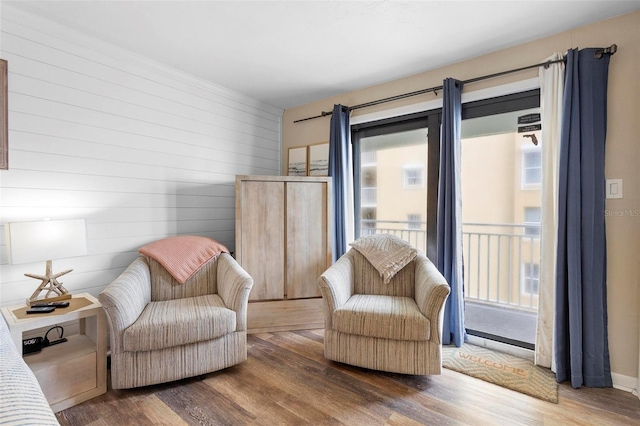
[49, 283]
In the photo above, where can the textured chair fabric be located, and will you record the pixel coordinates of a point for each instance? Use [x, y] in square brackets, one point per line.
[178, 322]
[387, 317]
[163, 285]
[163, 331]
[395, 327]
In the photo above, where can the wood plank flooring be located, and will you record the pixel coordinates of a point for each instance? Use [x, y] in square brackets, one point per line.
[287, 381]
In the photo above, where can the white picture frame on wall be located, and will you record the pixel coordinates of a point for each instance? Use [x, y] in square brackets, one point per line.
[297, 162]
[319, 159]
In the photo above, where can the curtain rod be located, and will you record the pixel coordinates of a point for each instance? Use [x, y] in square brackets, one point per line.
[598, 54]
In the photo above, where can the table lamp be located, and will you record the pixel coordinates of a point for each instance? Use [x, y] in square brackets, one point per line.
[46, 240]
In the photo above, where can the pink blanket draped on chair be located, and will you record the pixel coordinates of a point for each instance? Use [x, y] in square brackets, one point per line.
[183, 255]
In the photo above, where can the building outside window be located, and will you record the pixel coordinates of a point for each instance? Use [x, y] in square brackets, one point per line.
[530, 283]
[532, 217]
[369, 192]
[369, 215]
[368, 158]
[531, 168]
[414, 221]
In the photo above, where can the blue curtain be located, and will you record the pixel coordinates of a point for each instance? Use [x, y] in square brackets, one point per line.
[581, 341]
[449, 213]
[340, 171]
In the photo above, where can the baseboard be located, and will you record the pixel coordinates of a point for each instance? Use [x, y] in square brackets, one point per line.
[625, 383]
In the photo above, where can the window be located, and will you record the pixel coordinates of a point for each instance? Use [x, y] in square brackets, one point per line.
[413, 176]
[368, 221]
[391, 175]
[532, 217]
[369, 197]
[368, 158]
[531, 168]
[500, 220]
[369, 174]
[530, 283]
[414, 221]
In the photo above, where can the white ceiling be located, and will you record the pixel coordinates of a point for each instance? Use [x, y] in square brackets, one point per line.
[289, 53]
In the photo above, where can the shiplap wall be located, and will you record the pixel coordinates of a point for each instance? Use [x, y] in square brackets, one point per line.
[139, 150]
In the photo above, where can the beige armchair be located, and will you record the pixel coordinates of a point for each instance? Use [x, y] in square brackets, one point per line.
[394, 326]
[163, 331]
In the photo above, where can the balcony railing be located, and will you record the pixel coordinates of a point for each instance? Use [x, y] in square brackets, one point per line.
[415, 237]
[501, 261]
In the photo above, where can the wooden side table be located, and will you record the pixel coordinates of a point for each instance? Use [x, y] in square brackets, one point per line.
[70, 372]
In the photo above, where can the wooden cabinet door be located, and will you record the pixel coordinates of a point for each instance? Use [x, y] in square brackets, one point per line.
[262, 252]
[307, 253]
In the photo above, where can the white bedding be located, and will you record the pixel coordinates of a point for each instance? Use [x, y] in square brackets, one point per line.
[21, 399]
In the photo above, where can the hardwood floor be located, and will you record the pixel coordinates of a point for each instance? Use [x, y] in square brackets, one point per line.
[286, 380]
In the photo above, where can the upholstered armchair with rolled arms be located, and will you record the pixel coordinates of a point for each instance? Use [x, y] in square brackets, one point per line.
[165, 328]
[387, 318]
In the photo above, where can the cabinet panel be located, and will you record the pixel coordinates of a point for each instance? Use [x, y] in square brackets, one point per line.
[306, 238]
[279, 315]
[262, 253]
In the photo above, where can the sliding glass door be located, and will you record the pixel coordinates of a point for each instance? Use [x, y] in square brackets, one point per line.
[501, 211]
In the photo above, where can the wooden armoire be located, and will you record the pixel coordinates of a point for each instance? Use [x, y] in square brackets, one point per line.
[283, 240]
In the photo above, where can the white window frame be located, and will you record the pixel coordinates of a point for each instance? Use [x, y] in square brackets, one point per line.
[369, 196]
[524, 278]
[414, 223]
[523, 169]
[369, 159]
[529, 223]
[419, 168]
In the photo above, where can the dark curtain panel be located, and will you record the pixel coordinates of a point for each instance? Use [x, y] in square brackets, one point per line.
[449, 213]
[581, 341]
[339, 170]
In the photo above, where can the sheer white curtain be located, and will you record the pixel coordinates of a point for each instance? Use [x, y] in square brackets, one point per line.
[551, 94]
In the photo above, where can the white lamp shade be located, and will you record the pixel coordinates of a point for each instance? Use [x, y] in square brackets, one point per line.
[46, 240]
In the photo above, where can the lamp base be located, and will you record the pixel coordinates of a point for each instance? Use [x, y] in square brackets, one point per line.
[50, 284]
